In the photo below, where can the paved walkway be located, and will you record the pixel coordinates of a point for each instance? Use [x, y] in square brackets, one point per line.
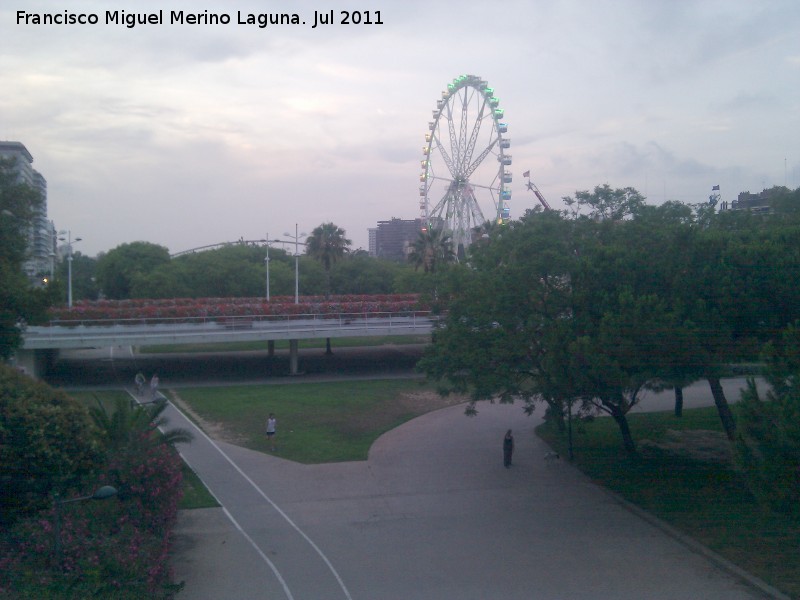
[431, 514]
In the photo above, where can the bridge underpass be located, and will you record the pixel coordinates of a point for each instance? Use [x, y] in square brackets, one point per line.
[42, 344]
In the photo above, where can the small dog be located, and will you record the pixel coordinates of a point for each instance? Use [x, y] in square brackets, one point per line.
[552, 456]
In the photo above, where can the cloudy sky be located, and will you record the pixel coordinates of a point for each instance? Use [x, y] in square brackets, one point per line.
[186, 135]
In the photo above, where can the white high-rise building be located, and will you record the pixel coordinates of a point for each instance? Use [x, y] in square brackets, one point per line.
[41, 234]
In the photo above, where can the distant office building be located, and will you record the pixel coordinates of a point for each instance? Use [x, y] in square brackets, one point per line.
[757, 203]
[373, 241]
[394, 238]
[41, 234]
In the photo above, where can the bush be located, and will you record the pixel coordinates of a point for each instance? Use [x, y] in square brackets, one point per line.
[768, 439]
[47, 443]
[105, 553]
[115, 548]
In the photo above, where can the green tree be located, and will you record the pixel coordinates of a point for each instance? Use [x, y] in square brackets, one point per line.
[18, 203]
[84, 282]
[327, 244]
[615, 358]
[236, 270]
[118, 270]
[501, 315]
[130, 424]
[569, 311]
[605, 203]
[363, 274]
[19, 302]
[768, 438]
[432, 249]
[47, 443]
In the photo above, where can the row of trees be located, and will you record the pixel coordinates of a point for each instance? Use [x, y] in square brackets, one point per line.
[328, 266]
[587, 309]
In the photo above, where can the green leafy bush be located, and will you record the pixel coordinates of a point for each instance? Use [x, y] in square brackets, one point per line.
[768, 440]
[117, 548]
[47, 443]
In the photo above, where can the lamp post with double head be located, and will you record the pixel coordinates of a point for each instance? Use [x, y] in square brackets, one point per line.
[102, 493]
[266, 262]
[69, 241]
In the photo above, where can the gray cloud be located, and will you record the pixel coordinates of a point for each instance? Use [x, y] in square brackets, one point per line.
[191, 135]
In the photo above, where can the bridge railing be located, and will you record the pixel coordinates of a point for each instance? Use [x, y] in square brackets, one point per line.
[138, 330]
[243, 320]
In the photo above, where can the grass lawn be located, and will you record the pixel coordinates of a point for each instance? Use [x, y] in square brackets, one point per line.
[705, 499]
[317, 423]
[284, 344]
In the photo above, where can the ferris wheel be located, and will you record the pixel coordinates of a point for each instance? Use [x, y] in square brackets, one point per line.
[464, 179]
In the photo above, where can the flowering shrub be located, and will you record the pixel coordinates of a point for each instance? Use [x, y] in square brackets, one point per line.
[107, 551]
[117, 548]
[203, 308]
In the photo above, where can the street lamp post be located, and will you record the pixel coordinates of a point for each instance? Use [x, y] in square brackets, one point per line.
[102, 493]
[296, 237]
[266, 262]
[69, 241]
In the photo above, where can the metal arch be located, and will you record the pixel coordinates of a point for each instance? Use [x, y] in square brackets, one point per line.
[457, 205]
[240, 242]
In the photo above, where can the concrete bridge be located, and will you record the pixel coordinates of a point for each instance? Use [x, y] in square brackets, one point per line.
[41, 344]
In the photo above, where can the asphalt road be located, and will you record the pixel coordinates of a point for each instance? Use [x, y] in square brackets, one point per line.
[433, 514]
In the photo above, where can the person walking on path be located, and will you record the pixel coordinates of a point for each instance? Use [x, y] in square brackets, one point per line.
[272, 430]
[139, 380]
[154, 386]
[508, 449]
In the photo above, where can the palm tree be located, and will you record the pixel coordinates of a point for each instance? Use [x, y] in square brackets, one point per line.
[327, 244]
[128, 422]
[432, 248]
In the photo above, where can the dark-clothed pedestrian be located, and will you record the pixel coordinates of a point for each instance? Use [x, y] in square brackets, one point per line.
[508, 449]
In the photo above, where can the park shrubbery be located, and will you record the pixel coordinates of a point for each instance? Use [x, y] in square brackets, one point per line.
[768, 440]
[112, 548]
[47, 443]
[189, 309]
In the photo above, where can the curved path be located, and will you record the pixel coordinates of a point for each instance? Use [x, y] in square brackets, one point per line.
[431, 514]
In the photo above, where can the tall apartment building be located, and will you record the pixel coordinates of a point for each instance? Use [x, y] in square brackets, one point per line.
[394, 238]
[41, 234]
[373, 241]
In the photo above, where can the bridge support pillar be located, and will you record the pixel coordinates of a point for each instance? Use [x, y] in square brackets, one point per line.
[293, 357]
[271, 348]
[35, 363]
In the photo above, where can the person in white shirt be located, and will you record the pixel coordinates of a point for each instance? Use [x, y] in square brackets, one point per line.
[272, 430]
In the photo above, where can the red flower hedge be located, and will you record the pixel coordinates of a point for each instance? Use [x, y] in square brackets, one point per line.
[205, 308]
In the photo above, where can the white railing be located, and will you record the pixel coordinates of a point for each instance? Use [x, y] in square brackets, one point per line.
[145, 330]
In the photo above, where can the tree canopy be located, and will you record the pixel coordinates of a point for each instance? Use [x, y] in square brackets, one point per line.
[327, 244]
[596, 308]
[19, 301]
[432, 249]
[119, 270]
